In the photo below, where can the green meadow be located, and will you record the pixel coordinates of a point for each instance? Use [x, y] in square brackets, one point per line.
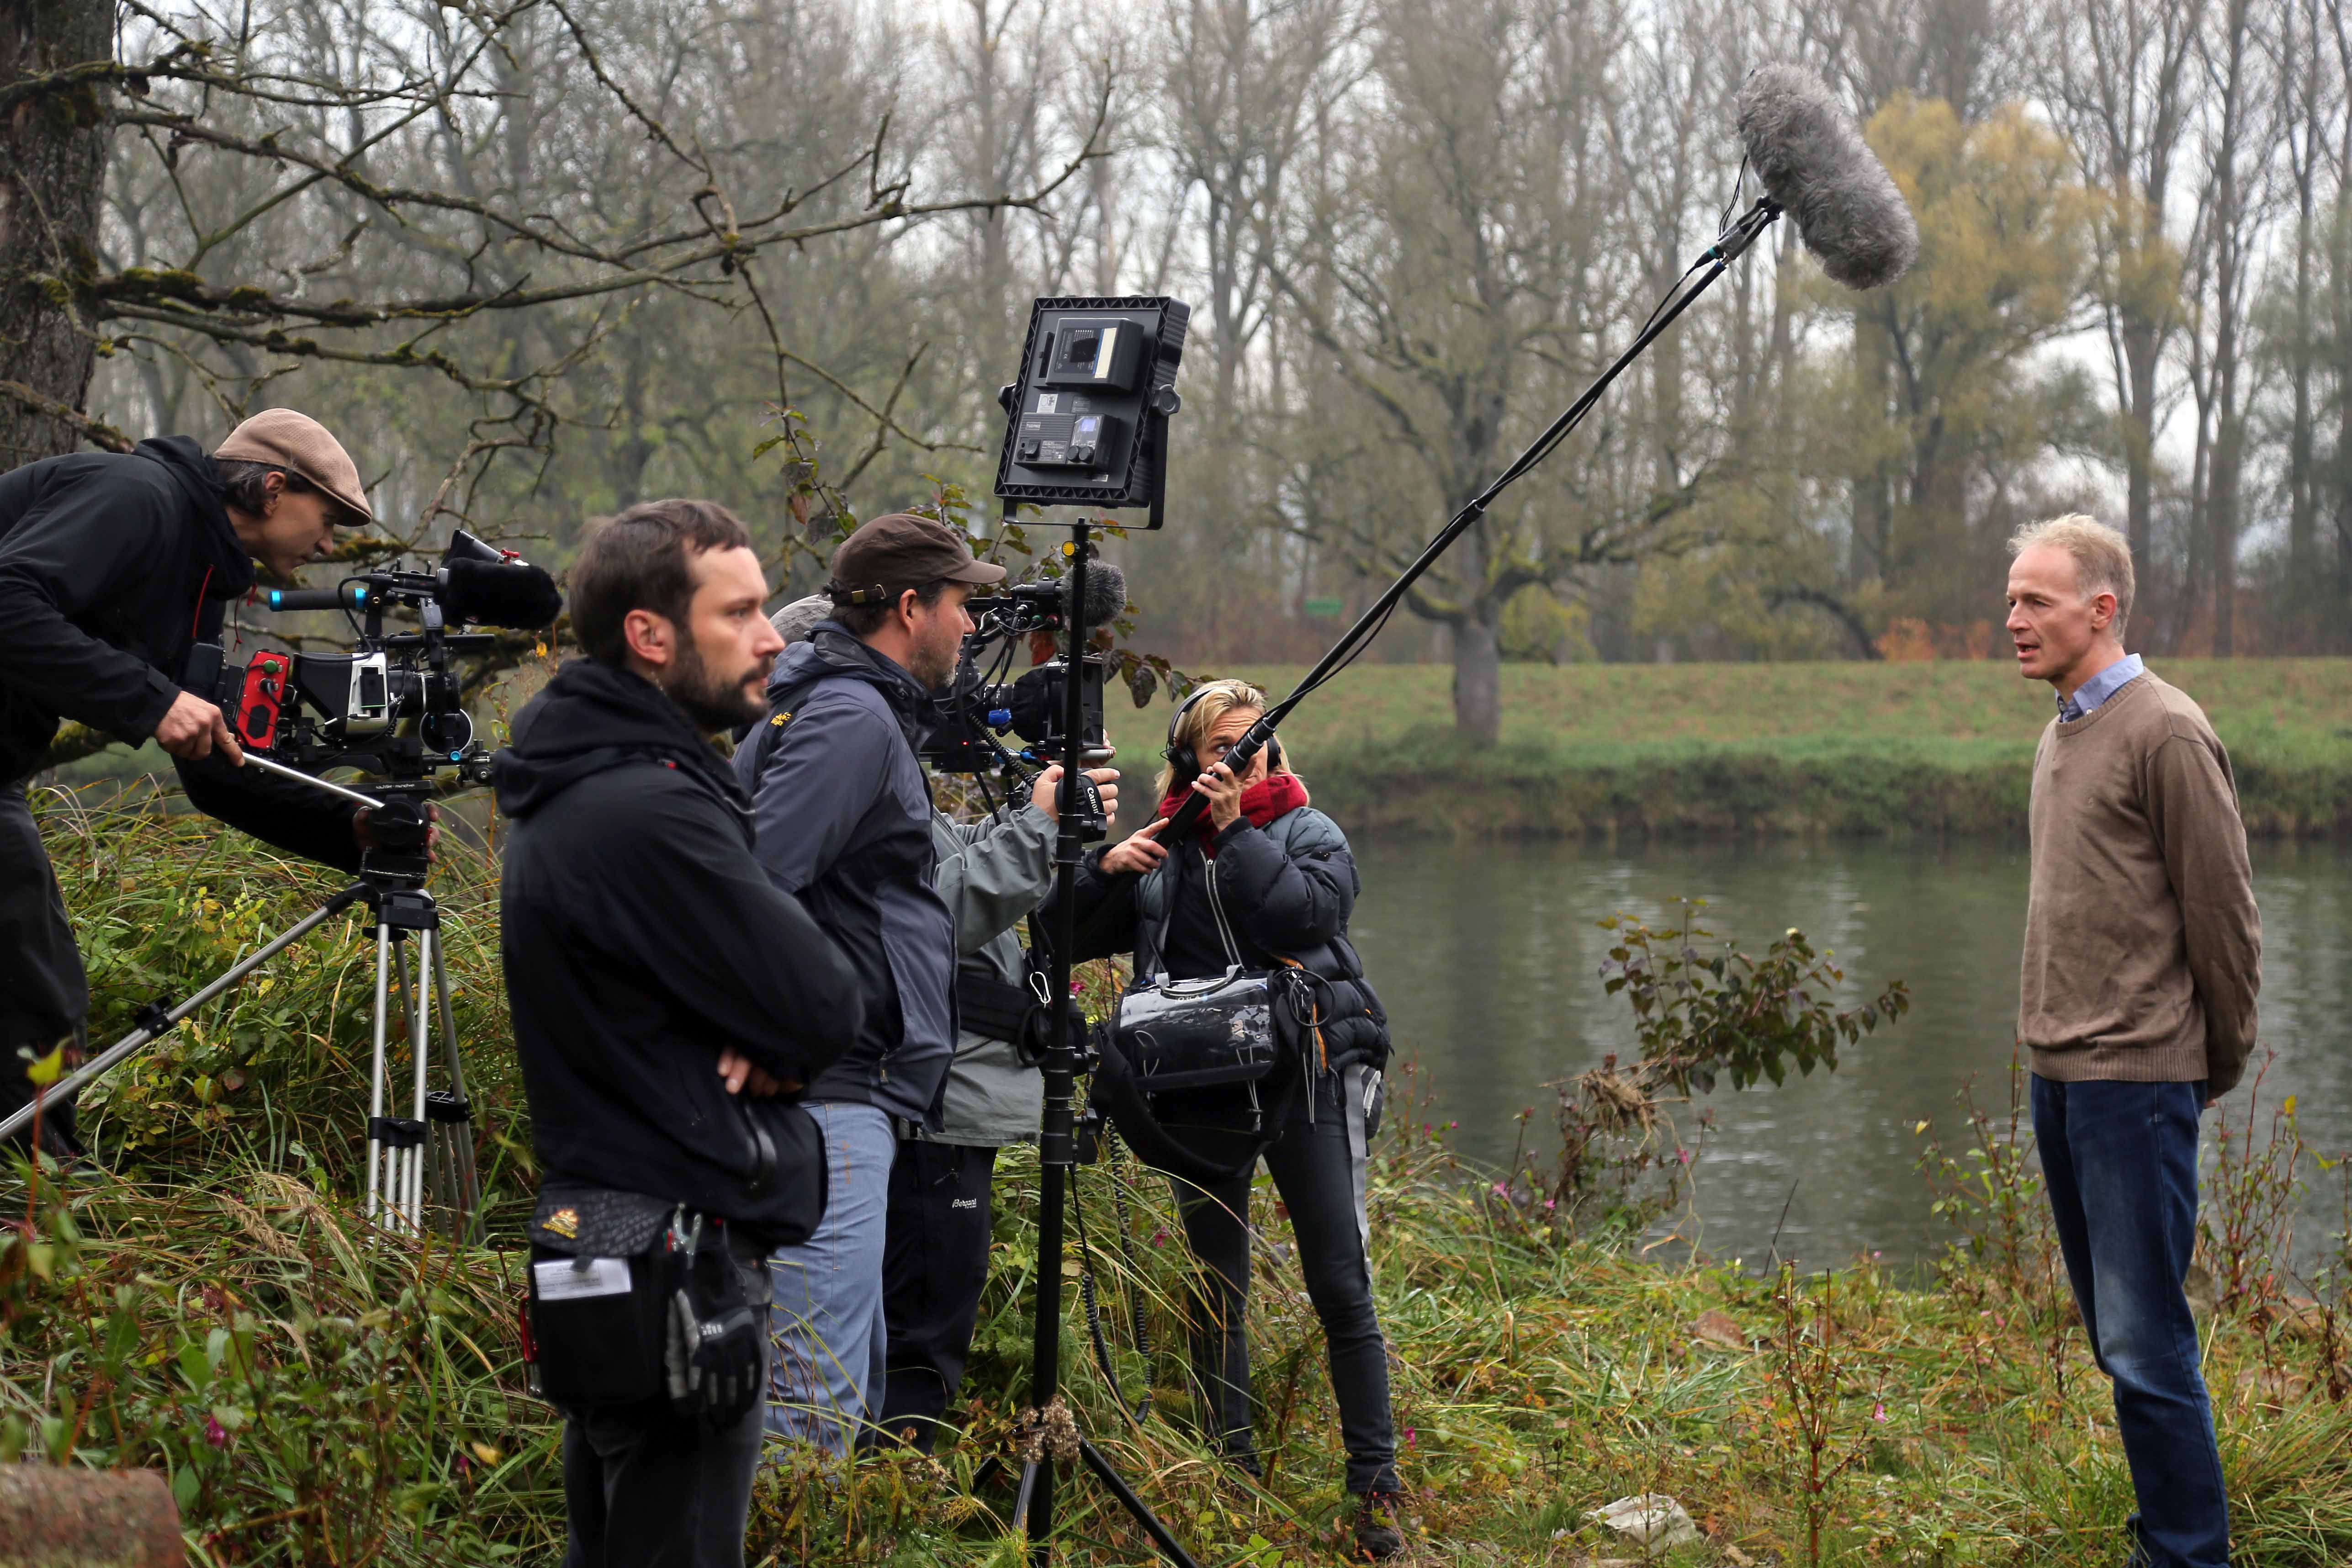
[1606, 749]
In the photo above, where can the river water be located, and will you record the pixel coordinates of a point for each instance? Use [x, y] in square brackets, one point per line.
[1487, 955]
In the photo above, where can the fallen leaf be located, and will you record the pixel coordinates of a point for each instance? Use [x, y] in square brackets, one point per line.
[1719, 1328]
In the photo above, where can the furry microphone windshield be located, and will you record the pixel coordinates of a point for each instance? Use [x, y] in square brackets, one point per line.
[1813, 162]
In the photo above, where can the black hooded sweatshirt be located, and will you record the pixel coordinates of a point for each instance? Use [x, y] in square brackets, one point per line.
[641, 939]
[112, 566]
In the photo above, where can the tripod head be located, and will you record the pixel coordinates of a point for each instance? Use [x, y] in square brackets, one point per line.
[401, 828]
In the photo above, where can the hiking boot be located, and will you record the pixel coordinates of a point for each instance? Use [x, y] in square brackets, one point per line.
[1377, 1535]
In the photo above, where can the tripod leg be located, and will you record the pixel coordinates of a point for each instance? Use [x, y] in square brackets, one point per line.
[156, 1019]
[379, 1155]
[1045, 1351]
[467, 1196]
[420, 1047]
[1027, 1494]
[1169, 1547]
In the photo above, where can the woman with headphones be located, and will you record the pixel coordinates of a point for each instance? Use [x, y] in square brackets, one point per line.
[1266, 881]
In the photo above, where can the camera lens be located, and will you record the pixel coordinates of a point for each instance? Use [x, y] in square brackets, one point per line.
[448, 731]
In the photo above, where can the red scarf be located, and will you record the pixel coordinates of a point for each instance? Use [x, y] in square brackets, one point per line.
[1277, 794]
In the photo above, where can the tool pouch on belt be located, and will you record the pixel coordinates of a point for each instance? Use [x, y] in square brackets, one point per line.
[634, 1299]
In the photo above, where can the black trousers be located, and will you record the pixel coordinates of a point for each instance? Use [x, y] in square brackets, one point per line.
[934, 1262]
[645, 1489]
[1319, 1168]
[43, 991]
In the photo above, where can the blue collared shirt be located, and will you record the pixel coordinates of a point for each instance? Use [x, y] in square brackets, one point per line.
[2099, 688]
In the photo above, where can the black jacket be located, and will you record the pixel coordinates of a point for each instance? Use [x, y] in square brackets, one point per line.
[843, 815]
[111, 568]
[641, 939]
[1283, 890]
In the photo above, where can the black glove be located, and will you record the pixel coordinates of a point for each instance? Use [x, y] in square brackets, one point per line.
[713, 1349]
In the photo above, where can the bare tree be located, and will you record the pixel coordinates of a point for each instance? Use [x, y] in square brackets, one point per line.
[2231, 207]
[2121, 73]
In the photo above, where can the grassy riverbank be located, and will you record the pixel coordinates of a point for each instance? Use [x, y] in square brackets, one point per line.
[1944, 747]
[216, 1308]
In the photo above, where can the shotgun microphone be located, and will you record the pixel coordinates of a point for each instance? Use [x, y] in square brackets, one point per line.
[1814, 163]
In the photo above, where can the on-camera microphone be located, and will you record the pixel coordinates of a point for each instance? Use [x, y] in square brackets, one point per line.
[1812, 161]
[1106, 594]
[498, 593]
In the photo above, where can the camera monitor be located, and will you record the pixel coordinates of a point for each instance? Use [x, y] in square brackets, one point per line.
[1087, 425]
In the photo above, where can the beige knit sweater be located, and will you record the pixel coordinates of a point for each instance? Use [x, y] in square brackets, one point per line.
[2143, 949]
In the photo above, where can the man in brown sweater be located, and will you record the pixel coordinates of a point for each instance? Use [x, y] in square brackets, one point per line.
[2143, 956]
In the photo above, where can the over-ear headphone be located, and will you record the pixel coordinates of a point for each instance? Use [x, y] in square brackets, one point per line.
[1184, 765]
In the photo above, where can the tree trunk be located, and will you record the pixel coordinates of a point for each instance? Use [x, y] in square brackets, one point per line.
[1873, 522]
[2301, 460]
[1477, 681]
[52, 172]
[2143, 354]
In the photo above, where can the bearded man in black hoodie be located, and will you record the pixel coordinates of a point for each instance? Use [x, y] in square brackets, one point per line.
[670, 1001]
[112, 566]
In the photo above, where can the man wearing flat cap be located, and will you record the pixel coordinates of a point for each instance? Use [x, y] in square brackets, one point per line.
[842, 817]
[112, 566]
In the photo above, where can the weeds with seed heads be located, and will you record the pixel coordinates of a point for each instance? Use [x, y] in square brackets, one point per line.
[215, 1307]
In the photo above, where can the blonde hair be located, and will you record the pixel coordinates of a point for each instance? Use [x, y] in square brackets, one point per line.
[1210, 702]
[2102, 563]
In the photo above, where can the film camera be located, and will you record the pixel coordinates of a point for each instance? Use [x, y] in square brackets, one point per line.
[395, 707]
[981, 704]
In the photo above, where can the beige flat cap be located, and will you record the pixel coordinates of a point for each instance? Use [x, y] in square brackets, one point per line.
[300, 445]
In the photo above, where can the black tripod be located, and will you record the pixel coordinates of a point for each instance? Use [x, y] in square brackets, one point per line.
[1057, 1143]
[433, 1146]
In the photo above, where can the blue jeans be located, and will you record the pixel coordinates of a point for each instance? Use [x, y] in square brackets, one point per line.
[826, 1316]
[2121, 1160]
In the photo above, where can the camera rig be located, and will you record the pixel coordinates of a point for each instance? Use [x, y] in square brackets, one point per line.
[394, 708]
[985, 700]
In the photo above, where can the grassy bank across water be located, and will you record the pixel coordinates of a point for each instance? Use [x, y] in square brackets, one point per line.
[215, 1307]
[1608, 749]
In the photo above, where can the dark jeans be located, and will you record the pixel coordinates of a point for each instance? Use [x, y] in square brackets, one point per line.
[1319, 1169]
[2121, 1160]
[43, 993]
[934, 1262]
[645, 1489]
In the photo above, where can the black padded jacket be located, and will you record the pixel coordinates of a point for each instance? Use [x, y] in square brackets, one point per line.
[1283, 890]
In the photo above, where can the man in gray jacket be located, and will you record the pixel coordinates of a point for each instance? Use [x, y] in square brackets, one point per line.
[991, 874]
[843, 816]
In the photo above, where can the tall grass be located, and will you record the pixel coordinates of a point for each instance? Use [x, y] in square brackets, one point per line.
[214, 1307]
